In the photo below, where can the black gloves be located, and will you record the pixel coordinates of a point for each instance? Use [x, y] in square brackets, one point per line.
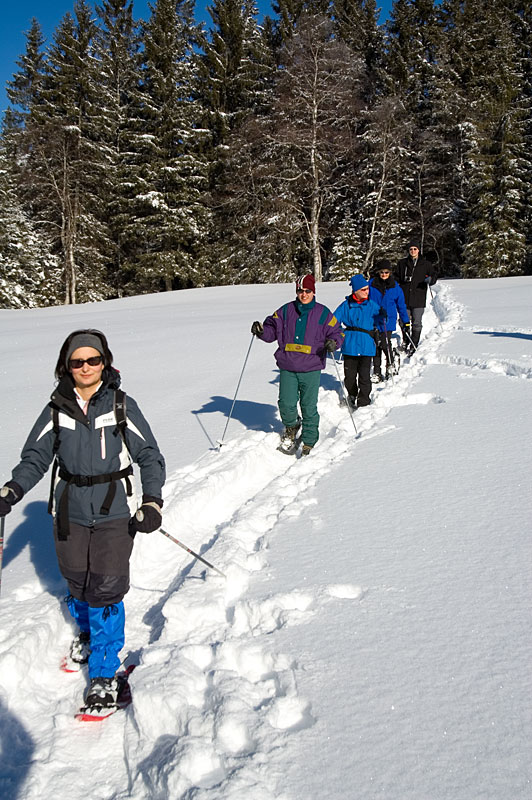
[383, 313]
[330, 345]
[10, 494]
[257, 329]
[148, 518]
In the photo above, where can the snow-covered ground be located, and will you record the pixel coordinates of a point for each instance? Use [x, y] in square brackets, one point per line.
[372, 637]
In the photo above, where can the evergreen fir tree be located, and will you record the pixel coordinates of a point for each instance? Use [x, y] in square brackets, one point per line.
[117, 47]
[497, 233]
[356, 24]
[168, 220]
[66, 167]
[26, 266]
[413, 39]
[236, 75]
[23, 90]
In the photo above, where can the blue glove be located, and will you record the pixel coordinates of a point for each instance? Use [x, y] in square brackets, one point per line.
[427, 279]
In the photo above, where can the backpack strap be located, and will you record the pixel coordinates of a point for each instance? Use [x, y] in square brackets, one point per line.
[120, 409]
[120, 412]
[56, 429]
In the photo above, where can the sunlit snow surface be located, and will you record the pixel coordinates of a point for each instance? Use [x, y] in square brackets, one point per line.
[372, 638]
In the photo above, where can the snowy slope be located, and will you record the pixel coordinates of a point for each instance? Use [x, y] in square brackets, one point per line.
[372, 637]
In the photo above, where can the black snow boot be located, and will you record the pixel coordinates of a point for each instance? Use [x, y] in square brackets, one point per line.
[102, 693]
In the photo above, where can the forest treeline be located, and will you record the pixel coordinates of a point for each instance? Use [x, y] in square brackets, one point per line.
[162, 154]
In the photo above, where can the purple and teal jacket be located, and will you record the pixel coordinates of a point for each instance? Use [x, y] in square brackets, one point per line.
[301, 331]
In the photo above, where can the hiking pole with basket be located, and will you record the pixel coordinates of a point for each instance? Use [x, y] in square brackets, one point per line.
[389, 355]
[221, 442]
[409, 338]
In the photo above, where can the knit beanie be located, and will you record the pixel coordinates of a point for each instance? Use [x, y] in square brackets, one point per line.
[306, 282]
[358, 282]
[414, 243]
[84, 340]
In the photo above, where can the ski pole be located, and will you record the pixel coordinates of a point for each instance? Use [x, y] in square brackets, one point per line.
[220, 442]
[192, 553]
[410, 339]
[2, 529]
[343, 393]
[389, 357]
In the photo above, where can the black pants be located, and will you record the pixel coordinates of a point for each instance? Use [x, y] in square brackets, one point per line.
[357, 378]
[384, 345]
[95, 561]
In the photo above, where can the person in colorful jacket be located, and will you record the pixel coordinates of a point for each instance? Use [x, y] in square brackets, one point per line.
[359, 317]
[305, 331]
[385, 291]
[92, 498]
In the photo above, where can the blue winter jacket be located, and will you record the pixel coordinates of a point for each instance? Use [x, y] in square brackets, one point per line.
[389, 296]
[360, 315]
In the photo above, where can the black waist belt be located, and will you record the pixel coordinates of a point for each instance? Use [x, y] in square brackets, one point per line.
[89, 480]
[362, 330]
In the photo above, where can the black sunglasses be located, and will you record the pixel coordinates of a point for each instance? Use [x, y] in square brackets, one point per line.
[77, 363]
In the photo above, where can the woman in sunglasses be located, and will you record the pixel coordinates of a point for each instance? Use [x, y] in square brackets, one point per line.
[388, 295]
[93, 441]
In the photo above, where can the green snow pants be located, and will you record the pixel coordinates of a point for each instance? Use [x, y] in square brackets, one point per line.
[300, 387]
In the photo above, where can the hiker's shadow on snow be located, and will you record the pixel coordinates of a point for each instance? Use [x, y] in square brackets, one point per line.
[254, 416]
[36, 532]
[329, 382]
[16, 754]
[508, 334]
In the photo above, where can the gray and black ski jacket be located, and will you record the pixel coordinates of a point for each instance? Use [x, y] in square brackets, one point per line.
[88, 446]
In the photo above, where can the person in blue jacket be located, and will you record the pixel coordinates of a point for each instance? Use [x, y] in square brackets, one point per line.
[387, 293]
[358, 316]
[95, 512]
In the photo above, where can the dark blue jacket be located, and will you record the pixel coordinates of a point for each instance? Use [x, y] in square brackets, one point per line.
[90, 445]
[389, 296]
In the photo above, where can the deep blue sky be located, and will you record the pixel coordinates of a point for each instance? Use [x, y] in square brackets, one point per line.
[17, 16]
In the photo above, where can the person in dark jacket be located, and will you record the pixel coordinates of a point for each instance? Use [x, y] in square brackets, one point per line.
[414, 274]
[385, 291]
[359, 316]
[305, 332]
[95, 514]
